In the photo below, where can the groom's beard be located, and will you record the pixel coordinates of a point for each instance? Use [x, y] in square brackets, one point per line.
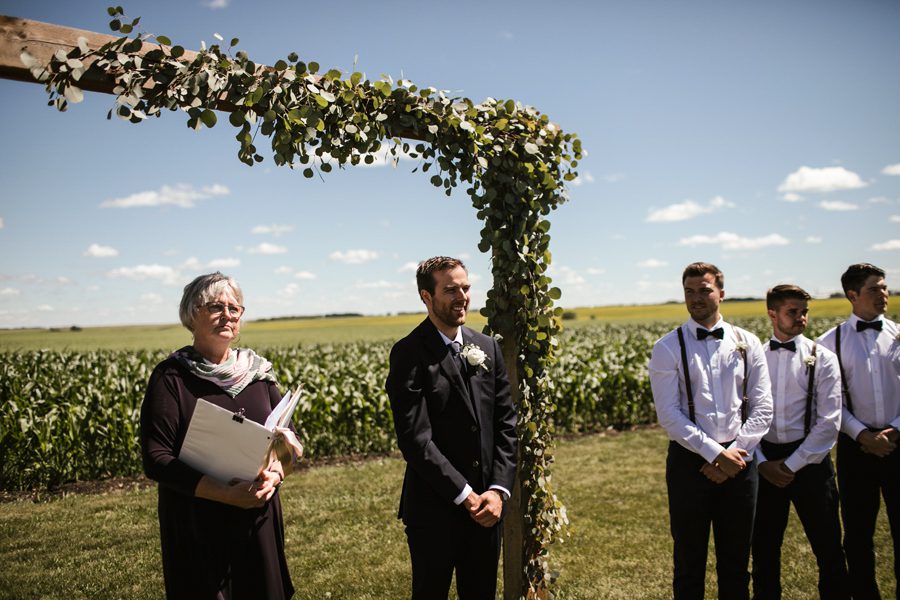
[451, 316]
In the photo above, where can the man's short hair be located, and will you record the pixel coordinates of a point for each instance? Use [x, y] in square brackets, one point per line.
[699, 269]
[426, 269]
[855, 276]
[778, 294]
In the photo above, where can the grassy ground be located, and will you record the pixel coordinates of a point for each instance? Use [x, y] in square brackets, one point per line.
[259, 334]
[344, 542]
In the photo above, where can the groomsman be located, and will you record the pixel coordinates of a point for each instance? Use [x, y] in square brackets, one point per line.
[794, 458]
[456, 428]
[712, 395]
[868, 463]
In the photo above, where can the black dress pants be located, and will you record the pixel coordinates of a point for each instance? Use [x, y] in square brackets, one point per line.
[695, 503]
[814, 495]
[862, 478]
[459, 544]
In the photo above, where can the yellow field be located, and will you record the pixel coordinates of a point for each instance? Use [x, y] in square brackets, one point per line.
[258, 334]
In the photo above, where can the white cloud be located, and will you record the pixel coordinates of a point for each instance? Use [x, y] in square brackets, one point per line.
[1, 223]
[596, 271]
[586, 178]
[375, 285]
[879, 200]
[216, 4]
[792, 197]
[305, 275]
[687, 210]
[151, 297]
[267, 248]
[826, 179]
[837, 205]
[44, 308]
[353, 257]
[284, 270]
[894, 218]
[274, 229]
[566, 275]
[98, 251]
[409, 267]
[891, 169]
[224, 263]
[182, 195]
[63, 280]
[732, 241]
[167, 275]
[652, 263]
[9, 292]
[813, 239]
[888, 245]
[290, 289]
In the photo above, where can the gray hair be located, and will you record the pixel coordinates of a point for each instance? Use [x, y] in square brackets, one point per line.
[204, 289]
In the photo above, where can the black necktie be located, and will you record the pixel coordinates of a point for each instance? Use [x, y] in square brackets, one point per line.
[718, 333]
[775, 345]
[863, 325]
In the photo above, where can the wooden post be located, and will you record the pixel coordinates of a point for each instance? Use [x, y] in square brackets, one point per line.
[513, 520]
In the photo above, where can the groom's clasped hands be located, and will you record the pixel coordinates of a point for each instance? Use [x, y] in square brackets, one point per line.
[485, 509]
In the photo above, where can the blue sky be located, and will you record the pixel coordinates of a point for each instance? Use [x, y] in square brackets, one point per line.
[761, 136]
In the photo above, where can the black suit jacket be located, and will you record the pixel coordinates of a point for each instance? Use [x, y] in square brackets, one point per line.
[449, 436]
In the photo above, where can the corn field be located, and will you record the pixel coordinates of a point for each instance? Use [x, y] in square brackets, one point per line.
[67, 416]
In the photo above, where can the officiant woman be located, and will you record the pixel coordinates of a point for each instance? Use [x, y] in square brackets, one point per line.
[219, 541]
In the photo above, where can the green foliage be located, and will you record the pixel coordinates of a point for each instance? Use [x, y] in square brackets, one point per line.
[511, 160]
[68, 416]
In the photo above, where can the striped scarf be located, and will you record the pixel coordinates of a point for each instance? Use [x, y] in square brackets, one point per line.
[242, 367]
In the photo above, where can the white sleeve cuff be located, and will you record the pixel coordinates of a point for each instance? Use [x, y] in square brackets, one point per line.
[500, 488]
[462, 495]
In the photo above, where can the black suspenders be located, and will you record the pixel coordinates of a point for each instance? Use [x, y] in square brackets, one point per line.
[810, 392]
[837, 350]
[687, 377]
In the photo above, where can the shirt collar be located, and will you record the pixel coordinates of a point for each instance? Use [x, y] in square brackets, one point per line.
[853, 320]
[693, 325]
[458, 338]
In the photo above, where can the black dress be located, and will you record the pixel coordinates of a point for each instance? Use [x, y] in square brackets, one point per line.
[209, 549]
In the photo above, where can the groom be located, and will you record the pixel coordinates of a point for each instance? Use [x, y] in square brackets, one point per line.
[456, 428]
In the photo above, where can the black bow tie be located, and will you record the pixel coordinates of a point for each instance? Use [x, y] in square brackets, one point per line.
[775, 345]
[863, 325]
[718, 333]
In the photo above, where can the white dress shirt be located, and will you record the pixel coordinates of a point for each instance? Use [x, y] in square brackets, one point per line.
[789, 374]
[871, 361]
[717, 375]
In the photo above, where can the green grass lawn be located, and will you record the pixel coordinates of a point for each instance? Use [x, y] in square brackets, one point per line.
[343, 540]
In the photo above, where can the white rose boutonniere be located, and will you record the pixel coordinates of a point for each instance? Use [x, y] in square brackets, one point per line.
[740, 346]
[475, 356]
[810, 360]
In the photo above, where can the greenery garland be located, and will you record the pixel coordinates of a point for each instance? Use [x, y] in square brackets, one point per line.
[512, 159]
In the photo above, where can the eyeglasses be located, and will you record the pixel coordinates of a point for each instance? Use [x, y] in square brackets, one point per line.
[217, 308]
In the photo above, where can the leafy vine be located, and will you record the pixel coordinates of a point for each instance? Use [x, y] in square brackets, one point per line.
[512, 160]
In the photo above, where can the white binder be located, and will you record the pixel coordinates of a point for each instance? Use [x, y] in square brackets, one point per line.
[226, 446]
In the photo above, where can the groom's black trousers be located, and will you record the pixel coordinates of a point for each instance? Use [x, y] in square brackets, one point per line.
[695, 502]
[458, 543]
[814, 495]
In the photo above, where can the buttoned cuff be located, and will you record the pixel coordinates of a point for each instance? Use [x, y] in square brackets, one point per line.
[500, 488]
[794, 463]
[711, 450]
[853, 428]
[463, 495]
